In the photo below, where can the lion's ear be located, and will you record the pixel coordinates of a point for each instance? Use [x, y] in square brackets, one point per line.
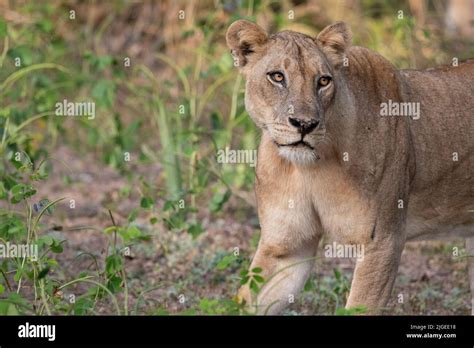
[334, 40]
[245, 39]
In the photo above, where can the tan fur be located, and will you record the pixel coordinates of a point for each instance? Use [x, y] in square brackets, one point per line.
[347, 180]
[334, 41]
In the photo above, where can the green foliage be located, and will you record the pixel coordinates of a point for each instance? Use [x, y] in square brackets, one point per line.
[226, 261]
[329, 294]
[219, 307]
[252, 278]
[351, 311]
[218, 201]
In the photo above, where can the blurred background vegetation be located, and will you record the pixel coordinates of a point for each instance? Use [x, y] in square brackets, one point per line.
[166, 228]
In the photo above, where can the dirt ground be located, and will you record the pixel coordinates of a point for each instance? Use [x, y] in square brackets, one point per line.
[430, 279]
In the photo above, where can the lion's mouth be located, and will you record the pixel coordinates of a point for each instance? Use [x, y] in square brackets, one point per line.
[296, 144]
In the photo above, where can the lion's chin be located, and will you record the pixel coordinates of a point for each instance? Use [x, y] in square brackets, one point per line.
[299, 155]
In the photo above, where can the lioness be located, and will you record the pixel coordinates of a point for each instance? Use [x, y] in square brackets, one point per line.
[354, 148]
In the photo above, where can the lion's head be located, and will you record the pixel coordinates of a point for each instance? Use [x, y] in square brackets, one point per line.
[291, 82]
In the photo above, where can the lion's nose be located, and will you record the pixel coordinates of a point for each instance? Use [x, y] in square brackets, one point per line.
[304, 126]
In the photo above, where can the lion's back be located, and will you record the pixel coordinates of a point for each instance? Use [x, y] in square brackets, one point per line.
[443, 133]
[443, 143]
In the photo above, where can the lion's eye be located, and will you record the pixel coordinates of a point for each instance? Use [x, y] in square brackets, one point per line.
[324, 81]
[277, 77]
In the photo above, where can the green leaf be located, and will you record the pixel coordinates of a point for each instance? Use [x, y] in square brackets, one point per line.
[45, 25]
[17, 299]
[18, 274]
[3, 28]
[195, 230]
[111, 229]
[98, 62]
[10, 305]
[132, 232]
[225, 262]
[258, 278]
[133, 215]
[113, 264]
[54, 244]
[168, 205]
[257, 270]
[12, 226]
[24, 53]
[45, 240]
[218, 201]
[114, 284]
[244, 280]
[3, 191]
[21, 191]
[52, 262]
[308, 286]
[43, 272]
[7, 308]
[216, 122]
[146, 202]
[104, 93]
[83, 305]
[56, 247]
[2, 289]
[254, 286]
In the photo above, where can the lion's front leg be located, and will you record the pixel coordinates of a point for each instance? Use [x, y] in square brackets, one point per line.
[284, 269]
[288, 243]
[375, 274]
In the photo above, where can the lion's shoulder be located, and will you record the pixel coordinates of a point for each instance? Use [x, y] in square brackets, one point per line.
[369, 74]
